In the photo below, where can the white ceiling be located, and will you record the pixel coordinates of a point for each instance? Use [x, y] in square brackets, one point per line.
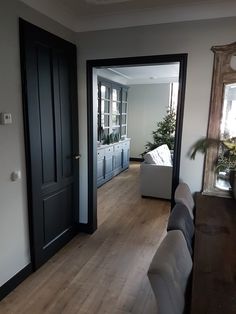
[133, 75]
[83, 15]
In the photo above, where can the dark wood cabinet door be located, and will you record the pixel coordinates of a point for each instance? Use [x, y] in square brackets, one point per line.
[51, 133]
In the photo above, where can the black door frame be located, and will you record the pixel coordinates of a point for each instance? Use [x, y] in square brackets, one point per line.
[91, 116]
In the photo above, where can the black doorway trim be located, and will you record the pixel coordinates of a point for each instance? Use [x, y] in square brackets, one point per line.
[91, 114]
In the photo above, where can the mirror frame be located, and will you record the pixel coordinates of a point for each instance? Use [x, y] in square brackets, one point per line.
[223, 74]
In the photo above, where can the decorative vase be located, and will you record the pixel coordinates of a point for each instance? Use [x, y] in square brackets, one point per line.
[232, 181]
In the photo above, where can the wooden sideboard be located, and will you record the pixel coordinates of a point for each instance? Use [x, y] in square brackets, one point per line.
[214, 265]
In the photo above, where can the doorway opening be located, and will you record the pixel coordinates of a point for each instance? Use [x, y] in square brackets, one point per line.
[98, 71]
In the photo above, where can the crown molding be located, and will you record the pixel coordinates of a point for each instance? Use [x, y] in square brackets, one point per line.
[158, 15]
[58, 13]
[168, 14]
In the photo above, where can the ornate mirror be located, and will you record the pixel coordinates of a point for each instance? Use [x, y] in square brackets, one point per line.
[222, 118]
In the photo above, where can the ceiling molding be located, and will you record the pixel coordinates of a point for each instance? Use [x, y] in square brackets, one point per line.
[158, 15]
[163, 80]
[58, 13]
[105, 2]
[141, 75]
[168, 14]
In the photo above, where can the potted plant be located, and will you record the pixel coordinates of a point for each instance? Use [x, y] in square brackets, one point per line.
[226, 160]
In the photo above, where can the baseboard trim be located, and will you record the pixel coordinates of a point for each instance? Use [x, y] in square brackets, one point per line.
[136, 159]
[12, 283]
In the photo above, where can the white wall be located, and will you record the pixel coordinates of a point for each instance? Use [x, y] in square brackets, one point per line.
[14, 238]
[196, 39]
[147, 106]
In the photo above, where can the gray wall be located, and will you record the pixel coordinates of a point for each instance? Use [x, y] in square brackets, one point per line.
[147, 106]
[14, 238]
[196, 39]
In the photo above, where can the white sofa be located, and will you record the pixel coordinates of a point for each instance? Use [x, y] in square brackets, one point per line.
[156, 173]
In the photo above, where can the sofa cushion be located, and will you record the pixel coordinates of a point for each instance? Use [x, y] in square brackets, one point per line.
[159, 156]
[165, 155]
[184, 196]
[153, 157]
[169, 274]
[180, 219]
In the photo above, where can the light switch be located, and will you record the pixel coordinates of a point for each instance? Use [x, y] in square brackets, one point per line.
[16, 175]
[5, 118]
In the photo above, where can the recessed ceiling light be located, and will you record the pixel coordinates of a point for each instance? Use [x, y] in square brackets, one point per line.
[105, 1]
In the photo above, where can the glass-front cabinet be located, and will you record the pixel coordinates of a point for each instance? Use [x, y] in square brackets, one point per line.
[112, 111]
[113, 149]
[104, 106]
[124, 110]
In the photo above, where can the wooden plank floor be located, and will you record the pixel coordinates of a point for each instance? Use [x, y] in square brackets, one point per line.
[103, 273]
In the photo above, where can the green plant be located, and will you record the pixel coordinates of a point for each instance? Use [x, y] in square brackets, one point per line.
[164, 134]
[111, 138]
[226, 159]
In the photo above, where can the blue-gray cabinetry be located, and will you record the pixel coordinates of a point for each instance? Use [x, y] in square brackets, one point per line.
[111, 160]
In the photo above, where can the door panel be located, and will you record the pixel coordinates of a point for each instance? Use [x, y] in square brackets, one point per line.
[118, 160]
[109, 166]
[51, 131]
[57, 205]
[47, 117]
[65, 117]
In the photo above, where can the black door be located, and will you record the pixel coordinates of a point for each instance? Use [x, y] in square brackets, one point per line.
[51, 133]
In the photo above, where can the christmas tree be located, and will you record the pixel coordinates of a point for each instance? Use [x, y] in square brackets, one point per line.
[165, 132]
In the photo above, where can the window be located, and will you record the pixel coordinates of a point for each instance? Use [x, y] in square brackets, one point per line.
[112, 110]
[174, 89]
